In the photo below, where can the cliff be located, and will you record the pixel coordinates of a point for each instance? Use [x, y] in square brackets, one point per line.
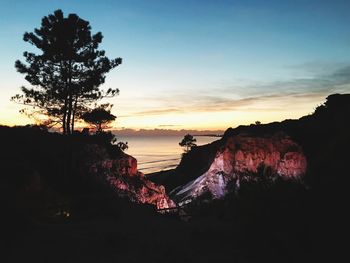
[52, 170]
[239, 158]
[282, 150]
[120, 174]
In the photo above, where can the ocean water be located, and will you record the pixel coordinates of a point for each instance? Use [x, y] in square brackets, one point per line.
[157, 153]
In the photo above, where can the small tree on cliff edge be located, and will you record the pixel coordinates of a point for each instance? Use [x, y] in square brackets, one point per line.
[188, 142]
[66, 75]
[99, 117]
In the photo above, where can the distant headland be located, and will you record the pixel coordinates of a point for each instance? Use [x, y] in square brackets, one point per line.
[167, 132]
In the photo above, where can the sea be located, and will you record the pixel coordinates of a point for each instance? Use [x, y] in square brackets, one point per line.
[158, 153]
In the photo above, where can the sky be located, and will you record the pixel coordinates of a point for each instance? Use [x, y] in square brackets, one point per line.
[204, 65]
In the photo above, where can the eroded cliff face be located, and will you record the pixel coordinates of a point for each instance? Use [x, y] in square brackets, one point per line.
[122, 176]
[245, 157]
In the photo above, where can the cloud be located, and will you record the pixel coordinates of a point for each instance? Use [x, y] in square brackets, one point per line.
[276, 92]
[320, 83]
[268, 96]
[165, 132]
[270, 102]
[169, 125]
[153, 112]
[341, 76]
[317, 68]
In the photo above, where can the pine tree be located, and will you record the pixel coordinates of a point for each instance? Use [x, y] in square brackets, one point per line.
[67, 73]
[188, 142]
[99, 117]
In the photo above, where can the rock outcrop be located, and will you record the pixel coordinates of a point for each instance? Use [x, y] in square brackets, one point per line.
[122, 176]
[242, 156]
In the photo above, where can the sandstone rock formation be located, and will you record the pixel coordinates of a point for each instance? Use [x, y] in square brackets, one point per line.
[122, 176]
[240, 157]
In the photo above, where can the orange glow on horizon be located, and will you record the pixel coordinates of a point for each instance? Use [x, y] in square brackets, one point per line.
[202, 120]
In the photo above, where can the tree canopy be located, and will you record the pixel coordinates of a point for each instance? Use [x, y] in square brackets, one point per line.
[188, 142]
[67, 73]
[99, 117]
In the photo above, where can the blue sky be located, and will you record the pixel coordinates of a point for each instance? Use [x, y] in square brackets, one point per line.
[200, 64]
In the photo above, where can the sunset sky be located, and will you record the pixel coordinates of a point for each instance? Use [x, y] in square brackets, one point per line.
[199, 64]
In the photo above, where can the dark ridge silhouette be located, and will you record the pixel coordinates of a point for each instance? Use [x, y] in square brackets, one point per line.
[51, 211]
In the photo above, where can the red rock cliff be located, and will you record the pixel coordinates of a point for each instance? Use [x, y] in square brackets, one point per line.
[281, 156]
[122, 176]
[241, 156]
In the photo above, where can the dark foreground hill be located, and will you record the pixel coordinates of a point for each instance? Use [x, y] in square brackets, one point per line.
[53, 212]
[319, 200]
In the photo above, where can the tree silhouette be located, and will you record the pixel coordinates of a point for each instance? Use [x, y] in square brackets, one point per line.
[68, 71]
[99, 117]
[188, 142]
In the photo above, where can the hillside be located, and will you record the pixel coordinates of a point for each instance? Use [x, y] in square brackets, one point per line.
[59, 196]
[322, 136]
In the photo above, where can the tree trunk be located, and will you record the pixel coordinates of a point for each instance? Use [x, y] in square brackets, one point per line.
[74, 111]
[70, 98]
[69, 114]
[65, 94]
[64, 125]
